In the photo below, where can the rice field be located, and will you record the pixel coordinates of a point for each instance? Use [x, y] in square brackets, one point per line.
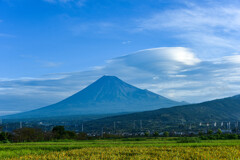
[122, 149]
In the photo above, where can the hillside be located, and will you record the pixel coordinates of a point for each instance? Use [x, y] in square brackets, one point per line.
[107, 95]
[220, 110]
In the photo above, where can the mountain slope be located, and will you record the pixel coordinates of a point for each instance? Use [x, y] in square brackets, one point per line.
[107, 95]
[220, 110]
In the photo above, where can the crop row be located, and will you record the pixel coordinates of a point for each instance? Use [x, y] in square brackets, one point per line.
[135, 153]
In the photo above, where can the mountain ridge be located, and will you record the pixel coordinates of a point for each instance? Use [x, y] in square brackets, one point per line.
[107, 95]
[218, 110]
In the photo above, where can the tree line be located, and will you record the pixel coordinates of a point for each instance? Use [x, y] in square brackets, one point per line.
[59, 133]
[37, 135]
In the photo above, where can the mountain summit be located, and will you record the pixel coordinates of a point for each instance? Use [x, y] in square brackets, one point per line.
[107, 95]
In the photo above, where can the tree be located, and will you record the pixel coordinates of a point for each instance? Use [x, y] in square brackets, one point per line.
[210, 132]
[146, 134]
[156, 134]
[82, 136]
[166, 134]
[70, 134]
[4, 137]
[219, 131]
[28, 135]
[58, 132]
[200, 133]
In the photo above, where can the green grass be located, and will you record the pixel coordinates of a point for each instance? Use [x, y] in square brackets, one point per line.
[12, 150]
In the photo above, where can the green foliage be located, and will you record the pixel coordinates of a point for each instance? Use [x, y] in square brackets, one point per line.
[189, 140]
[155, 134]
[166, 134]
[219, 136]
[4, 137]
[27, 135]
[134, 139]
[82, 136]
[219, 131]
[210, 132]
[200, 133]
[59, 132]
[146, 134]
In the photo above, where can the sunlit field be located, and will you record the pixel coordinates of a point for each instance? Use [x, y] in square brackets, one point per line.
[160, 148]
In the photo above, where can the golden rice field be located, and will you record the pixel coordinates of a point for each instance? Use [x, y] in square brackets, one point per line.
[121, 149]
[142, 153]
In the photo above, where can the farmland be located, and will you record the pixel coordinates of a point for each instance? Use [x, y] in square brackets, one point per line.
[135, 148]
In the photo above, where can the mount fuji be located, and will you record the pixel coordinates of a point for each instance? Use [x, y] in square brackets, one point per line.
[107, 95]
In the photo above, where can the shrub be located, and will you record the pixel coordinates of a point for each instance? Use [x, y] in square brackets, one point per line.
[188, 140]
[166, 134]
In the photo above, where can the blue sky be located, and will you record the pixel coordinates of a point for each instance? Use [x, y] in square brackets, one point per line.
[45, 36]
[50, 49]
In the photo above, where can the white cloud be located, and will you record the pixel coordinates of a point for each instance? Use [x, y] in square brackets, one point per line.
[210, 30]
[230, 59]
[126, 42]
[2, 113]
[156, 60]
[173, 72]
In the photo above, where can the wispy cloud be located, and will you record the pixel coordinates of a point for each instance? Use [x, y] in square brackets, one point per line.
[78, 3]
[51, 64]
[78, 28]
[211, 29]
[126, 42]
[42, 62]
[174, 72]
[2, 113]
[7, 35]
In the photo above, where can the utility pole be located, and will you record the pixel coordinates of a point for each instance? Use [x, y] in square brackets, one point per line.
[215, 124]
[207, 124]
[20, 125]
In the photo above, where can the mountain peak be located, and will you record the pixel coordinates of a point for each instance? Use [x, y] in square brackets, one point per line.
[108, 94]
[108, 78]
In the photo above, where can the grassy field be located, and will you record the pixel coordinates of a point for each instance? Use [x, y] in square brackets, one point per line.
[160, 148]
